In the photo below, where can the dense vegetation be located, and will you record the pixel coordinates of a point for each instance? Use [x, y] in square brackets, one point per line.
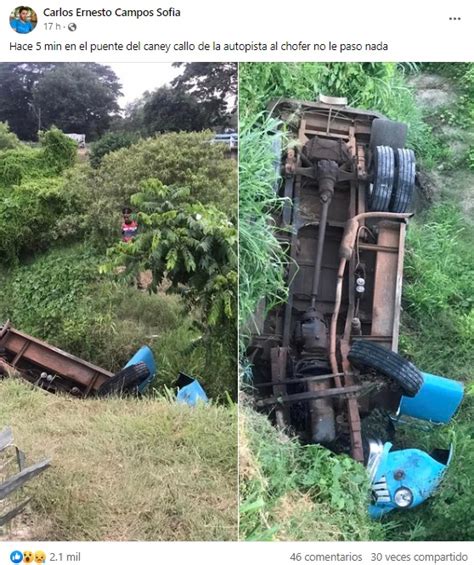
[66, 277]
[123, 467]
[288, 490]
[83, 98]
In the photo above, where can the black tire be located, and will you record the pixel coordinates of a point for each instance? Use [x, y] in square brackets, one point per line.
[383, 167]
[387, 132]
[404, 180]
[125, 380]
[370, 355]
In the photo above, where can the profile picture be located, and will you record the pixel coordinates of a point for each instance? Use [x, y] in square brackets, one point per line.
[23, 19]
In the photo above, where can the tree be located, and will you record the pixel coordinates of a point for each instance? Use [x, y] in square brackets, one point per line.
[173, 110]
[16, 96]
[190, 244]
[35, 96]
[77, 98]
[214, 85]
[111, 141]
[132, 120]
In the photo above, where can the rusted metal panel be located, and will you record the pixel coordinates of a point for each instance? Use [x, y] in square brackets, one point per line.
[279, 356]
[386, 280]
[398, 289]
[27, 349]
[295, 380]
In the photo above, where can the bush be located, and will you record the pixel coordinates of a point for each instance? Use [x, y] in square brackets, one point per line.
[61, 298]
[176, 159]
[439, 293]
[29, 217]
[59, 151]
[437, 334]
[292, 492]
[192, 248]
[23, 163]
[261, 257]
[8, 140]
[189, 244]
[108, 143]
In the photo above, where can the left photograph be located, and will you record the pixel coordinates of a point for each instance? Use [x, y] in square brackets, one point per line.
[118, 322]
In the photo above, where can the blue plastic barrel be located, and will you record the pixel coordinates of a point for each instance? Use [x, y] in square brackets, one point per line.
[436, 401]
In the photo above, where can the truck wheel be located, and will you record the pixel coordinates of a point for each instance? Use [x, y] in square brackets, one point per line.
[125, 380]
[369, 355]
[404, 180]
[383, 179]
[387, 132]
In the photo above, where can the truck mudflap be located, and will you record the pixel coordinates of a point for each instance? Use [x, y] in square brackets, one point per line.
[403, 479]
[437, 401]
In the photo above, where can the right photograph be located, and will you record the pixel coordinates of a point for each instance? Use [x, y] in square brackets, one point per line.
[356, 222]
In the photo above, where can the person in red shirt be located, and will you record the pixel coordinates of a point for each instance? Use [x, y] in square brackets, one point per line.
[129, 226]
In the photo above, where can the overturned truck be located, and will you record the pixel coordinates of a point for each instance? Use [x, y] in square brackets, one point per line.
[56, 370]
[327, 358]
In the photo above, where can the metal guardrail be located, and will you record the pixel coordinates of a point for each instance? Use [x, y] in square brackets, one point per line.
[13, 483]
[230, 139]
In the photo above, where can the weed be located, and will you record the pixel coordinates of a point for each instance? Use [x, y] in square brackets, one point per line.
[124, 468]
[294, 492]
[438, 293]
[261, 258]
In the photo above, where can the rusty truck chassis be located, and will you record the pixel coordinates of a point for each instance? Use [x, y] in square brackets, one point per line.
[46, 366]
[334, 242]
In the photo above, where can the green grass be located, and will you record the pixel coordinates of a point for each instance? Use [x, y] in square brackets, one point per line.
[437, 334]
[295, 492]
[60, 297]
[124, 468]
[261, 258]
[438, 320]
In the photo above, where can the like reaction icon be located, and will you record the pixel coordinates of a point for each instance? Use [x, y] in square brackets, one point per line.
[16, 556]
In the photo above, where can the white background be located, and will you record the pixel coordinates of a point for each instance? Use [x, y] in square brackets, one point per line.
[233, 553]
[414, 30]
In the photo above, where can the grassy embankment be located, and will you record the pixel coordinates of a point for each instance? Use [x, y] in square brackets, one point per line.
[123, 468]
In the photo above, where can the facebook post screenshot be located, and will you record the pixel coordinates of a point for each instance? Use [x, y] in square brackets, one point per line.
[237, 283]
